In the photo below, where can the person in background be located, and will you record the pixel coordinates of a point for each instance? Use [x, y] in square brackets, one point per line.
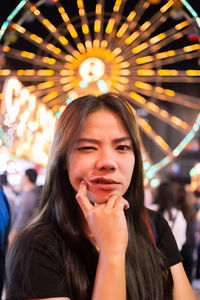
[10, 194]
[164, 202]
[93, 238]
[184, 204]
[28, 205]
[4, 228]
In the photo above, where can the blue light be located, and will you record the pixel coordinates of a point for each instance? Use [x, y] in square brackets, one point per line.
[68, 100]
[83, 84]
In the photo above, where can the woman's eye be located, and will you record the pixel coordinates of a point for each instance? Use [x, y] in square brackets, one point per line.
[124, 147]
[86, 148]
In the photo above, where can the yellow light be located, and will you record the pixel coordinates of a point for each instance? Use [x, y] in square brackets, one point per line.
[27, 54]
[48, 60]
[67, 87]
[81, 12]
[104, 43]
[45, 85]
[122, 30]
[80, 47]
[85, 28]
[178, 121]
[32, 102]
[72, 30]
[191, 48]
[36, 38]
[143, 85]
[161, 142]
[131, 16]
[110, 25]
[181, 25]
[145, 26]
[146, 72]
[66, 79]
[6, 49]
[170, 93]
[116, 51]
[63, 40]
[132, 37]
[158, 89]
[69, 57]
[35, 10]
[50, 96]
[80, 3]
[167, 72]
[157, 38]
[153, 106]
[29, 72]
[51, 47]
[20, 72]
[5, 72]
[164, 113]
[45, 72]
[117, 5]
[96, 43]
[97, 26]
[124, 64]
[98, 9]
[49, 25]
[18, 28]
[143, 60]
[140, 48]
[193, 72]
[167, 6]
[145, 125]
[118, 59]
[137, 97]
[65, 72]
[88, 44]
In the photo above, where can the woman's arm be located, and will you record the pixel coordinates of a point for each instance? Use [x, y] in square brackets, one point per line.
[107, 223]
[182, 288]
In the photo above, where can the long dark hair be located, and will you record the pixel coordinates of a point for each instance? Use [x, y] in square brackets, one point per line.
[147, 275]
[165, 199]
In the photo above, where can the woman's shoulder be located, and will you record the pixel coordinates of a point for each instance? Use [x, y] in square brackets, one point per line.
[41, 236]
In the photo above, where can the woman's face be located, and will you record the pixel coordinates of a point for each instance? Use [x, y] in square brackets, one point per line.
[103, 156]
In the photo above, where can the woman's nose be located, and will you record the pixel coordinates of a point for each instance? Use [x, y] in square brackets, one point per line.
[106, 161]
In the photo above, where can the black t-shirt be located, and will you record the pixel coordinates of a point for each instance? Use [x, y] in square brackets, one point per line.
[46, 270]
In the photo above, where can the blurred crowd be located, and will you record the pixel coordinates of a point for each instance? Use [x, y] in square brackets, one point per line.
[18, 206]
[181, 208]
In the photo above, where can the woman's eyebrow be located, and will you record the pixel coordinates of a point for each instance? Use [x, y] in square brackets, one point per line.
[96, 141]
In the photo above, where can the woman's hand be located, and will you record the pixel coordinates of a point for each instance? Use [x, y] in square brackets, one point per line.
[106, 222]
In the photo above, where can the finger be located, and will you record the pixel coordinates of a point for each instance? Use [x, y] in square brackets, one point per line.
[82, 198]
[111, 202]
[121, 204]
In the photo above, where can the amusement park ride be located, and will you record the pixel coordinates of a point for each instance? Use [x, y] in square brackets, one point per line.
[52, 51]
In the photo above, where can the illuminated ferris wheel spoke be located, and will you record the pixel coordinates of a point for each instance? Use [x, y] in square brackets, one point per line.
[146, 29]
[50, 27]
[168, 95]
[84, 26]
[147, 129]
[39, 42]
[167, 57]
[113, 22]
[132, 20]
[32, 58]
[98, 23]
[159, 113]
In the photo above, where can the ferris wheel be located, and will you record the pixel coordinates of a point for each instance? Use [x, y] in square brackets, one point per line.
[147, 50]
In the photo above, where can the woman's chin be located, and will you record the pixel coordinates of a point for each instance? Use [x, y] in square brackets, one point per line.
[97, 199]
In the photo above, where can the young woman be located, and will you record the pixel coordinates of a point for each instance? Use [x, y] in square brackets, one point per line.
[94, 239]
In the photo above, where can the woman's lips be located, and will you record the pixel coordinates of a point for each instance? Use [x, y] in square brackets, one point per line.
[103, 184]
